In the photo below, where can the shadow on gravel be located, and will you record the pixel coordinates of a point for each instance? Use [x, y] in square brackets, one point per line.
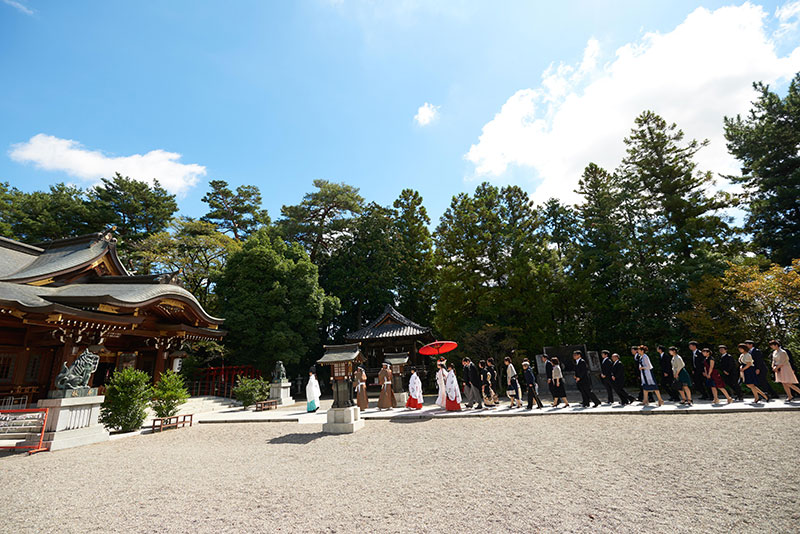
[411, 419]
[296, 439]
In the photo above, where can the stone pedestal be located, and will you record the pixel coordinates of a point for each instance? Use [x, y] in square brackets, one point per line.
[400, 399]
[343, 420]
[72, 422]
[282, 392]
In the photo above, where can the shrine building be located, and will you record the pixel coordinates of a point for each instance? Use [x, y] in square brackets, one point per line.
[60, 297]
[392, 334]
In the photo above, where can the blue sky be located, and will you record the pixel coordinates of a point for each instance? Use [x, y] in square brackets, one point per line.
[277, 94]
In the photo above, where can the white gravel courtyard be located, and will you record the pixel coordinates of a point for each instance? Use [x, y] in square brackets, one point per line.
[737, 472]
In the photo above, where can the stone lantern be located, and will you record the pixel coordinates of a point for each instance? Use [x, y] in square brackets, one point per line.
[397, 361]
[343, 417]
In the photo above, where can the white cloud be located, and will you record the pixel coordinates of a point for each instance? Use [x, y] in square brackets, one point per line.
[426, 114]
[54, 154]
[788, 16]
[694, 75]
[19, 6]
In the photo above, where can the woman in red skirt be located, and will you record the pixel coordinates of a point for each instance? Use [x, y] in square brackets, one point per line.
[453, 401]
[713, 379]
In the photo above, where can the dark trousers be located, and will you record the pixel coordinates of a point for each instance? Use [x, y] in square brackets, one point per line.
[733, 384]
[699, 383]
[668, 385]
[533, 396]
[624, 398]
[607, 382]
[586, 393]
[764, 385]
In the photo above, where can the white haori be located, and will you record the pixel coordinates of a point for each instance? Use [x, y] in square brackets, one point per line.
[415, 387]
[312, 389]
[451, 386]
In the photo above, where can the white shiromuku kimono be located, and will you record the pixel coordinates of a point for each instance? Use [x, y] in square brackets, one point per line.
[453, 401]
[441, 378]
[312, 394]
[414, 392]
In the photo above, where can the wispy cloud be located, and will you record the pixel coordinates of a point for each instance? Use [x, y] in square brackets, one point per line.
[788, 16]
[694, 75]
[55, 154]
[17, 5]
[426, 114]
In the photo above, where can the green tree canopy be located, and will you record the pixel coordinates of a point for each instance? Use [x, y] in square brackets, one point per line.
[239, 213]
[62, 211]
[415, 269]
[273, 305]
[766, 143]
[322, 219]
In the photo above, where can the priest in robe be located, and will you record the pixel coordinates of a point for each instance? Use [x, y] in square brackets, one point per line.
[414, 401]
[386, 400]
[361, 388]
[312, 391]
[453, 400]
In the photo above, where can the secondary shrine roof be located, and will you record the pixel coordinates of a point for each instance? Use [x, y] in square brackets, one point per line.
[340, 353]
[390, 324]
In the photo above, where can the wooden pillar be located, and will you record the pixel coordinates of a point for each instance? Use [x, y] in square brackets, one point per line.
[161, 356]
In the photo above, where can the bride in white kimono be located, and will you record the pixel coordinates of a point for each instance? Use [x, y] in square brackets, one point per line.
[312, 391]
[441, 378]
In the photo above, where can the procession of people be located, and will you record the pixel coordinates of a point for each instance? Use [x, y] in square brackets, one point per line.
[710, 378]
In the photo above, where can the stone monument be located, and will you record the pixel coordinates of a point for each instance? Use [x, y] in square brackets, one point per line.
[280, 389]
[74, 407]
[397, 361]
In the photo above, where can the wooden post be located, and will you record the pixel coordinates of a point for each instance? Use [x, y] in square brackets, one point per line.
[161, 345]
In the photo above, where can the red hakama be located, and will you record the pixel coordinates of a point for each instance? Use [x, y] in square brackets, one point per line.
[413, 403]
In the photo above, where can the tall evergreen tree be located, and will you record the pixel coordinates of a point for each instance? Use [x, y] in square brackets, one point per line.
[415, 269]
[322, 219]
[766, 143]
[63, 211]
[136, 208]
[238, 213]
[361, 271]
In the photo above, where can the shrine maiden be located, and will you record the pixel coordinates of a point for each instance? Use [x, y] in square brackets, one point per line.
[414, 391]
[453, 401]
[312, 391]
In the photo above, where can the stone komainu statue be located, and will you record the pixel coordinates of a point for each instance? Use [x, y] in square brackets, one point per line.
[77, 375]
[279, 373]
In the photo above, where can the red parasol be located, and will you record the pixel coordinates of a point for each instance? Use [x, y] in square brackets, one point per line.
[438, 347]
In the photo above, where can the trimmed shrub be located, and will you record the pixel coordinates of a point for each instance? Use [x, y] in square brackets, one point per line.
[127, 396]
[168, 394]
[249, 391]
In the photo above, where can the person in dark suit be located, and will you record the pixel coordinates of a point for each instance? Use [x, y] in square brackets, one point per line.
[605, 374]
[530, 384]
[618, 380]
[667, 380]
[762, 372]
[548, 372]
[584, 381]
[698, 379]
[472, 385]
[729, 369]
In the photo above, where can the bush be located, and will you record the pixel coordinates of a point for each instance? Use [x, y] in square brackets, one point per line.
[127, 396]
[168, 394]
[249, 391]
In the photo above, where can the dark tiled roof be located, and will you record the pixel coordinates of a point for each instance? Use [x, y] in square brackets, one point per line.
[391, 323]
[340, 353]
[395, 358]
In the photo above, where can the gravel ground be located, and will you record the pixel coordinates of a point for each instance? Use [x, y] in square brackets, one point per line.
[550, 474]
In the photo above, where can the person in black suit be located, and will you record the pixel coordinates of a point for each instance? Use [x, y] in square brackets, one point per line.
[583, 380]
[667, 380]
[618, 380]
[605, 374]
[548, 372]
[530, 384]
[698, 378]
[729, 369]
[472, 385]
[762, 372]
